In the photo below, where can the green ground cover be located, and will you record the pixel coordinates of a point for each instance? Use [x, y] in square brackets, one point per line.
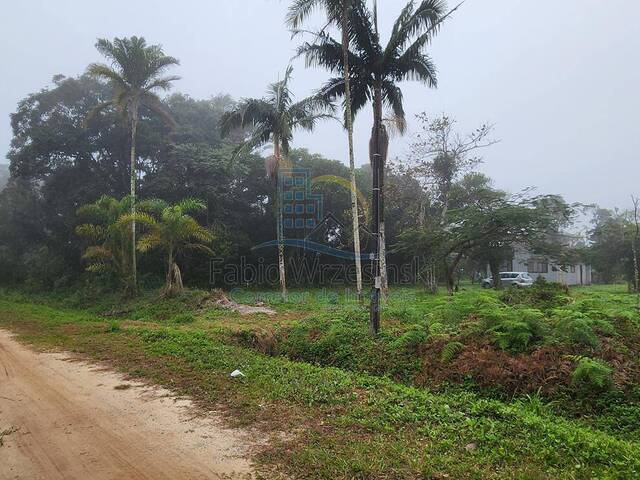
[404, 405]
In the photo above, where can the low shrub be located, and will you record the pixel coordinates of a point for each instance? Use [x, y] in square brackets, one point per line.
[542, 295]
[182, 318]
[450, 351]
[591, 374]
[516, 329]
[576, 328]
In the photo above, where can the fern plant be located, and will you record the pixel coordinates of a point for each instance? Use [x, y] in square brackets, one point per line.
[577, 328]
[451, 351]
[591, 374]
[516, 330]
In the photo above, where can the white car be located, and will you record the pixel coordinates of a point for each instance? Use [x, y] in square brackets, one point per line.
[517, 279]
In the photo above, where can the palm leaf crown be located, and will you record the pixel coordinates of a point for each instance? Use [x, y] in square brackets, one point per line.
[276, 116]
[136, 73]
[403, 58]
[172, 226]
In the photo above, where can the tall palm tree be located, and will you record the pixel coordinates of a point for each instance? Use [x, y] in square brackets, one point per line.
[338, 12]
[273, 119]
[375, 71]
[172, 229]
[136, 74]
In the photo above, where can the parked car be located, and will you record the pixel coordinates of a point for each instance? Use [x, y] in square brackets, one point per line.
[517, 279]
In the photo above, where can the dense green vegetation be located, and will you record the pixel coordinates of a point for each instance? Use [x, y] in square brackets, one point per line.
[117, 195]
[480, 384]
[4, 175]
[107, 132]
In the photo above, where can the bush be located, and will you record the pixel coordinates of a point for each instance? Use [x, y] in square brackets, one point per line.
[542, 294]
[576, 328]
[591, 374]
[450, 351]
[44, 270]
[517, 329]
[182, 318]
[113, 327]
[411, 340]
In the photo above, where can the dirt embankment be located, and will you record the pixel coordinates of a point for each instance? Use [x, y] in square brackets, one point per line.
[69, 420]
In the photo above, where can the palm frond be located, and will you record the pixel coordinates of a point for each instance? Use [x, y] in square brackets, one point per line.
[95, 111]
[139, 217]
[363, 33]
[97, 252]
[158, 62]
[191, 205]
[152, 205]
[153, 103]
[248, 113]
[148, 241]
[199, 246]
[104, 72]
[417, 67]
[163, 83]
[299, 10]
[392, 96]
[90, 231]
[325, 53]
[427, 17]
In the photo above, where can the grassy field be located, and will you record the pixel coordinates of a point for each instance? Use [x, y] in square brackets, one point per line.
[517, 384]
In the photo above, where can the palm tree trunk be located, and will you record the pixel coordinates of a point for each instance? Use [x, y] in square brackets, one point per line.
[384, 285]
[375, 154]
[168, 286]
[279, 232]
[352, 167]
[133, 178]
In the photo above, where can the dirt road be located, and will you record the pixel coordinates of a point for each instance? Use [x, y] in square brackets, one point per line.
[69, 420]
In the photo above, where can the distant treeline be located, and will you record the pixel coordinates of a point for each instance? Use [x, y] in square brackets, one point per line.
[60, 162]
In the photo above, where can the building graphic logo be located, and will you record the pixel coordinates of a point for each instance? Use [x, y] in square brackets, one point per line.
[303, 217]
[301, 207]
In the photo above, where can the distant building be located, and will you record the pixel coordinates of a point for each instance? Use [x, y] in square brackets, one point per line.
[540, 266]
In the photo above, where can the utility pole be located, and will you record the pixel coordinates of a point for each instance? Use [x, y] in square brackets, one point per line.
[374, 309]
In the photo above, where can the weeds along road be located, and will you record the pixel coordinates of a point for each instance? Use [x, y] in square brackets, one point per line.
[68, 420]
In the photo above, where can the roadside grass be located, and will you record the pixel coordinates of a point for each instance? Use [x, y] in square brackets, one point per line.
[343, 422]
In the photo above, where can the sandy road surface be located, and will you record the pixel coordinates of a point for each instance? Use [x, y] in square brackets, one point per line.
[69, 421]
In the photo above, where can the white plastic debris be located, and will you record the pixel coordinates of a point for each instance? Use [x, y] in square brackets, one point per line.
[237, 373]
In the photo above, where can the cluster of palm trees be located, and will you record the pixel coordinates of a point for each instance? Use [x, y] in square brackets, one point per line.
[365, 72]
[168, 228]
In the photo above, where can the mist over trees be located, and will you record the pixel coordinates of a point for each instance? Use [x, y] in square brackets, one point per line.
[437, 206]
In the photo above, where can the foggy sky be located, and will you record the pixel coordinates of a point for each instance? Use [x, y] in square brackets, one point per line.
[558, 78]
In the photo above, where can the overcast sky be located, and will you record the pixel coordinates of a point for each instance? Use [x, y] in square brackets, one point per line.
[558, 78]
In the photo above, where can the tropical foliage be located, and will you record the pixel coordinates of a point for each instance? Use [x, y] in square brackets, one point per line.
[107, 233]
[273, 119]
[172, 230]
[135, 75]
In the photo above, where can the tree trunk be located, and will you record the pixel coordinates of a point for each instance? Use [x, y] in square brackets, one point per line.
[133, 180]
[430, 278]
[451, 270]
[279, 227]
[450, 280]
[352, 167]
[494, 266]
[375, 154]
[173, 282]
[169, 279]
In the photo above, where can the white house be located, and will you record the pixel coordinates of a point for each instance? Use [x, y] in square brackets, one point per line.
[540, 266]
